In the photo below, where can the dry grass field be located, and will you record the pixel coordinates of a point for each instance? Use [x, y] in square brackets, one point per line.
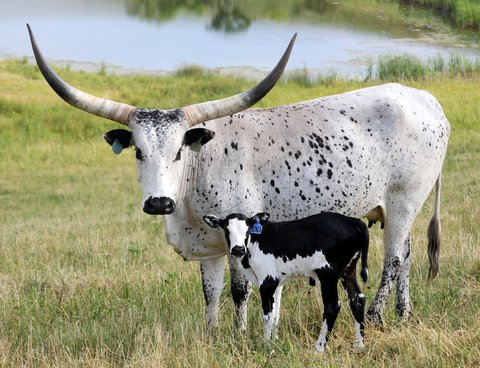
[87, 279]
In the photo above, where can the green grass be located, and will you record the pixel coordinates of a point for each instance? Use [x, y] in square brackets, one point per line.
[464, 13]
[87, 279]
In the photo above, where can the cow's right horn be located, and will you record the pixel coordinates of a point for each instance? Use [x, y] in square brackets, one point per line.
[210, 110]
[109, 109]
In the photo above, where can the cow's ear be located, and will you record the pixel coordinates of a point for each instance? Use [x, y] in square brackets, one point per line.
[118, 139]
[212, 221]
[261, 216]
[195, 138]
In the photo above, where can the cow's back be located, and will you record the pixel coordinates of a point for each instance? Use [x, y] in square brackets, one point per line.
[343, 153]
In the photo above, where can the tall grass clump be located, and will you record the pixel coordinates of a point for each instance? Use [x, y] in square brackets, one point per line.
[191, 70]
[404, 67]
[464, 13]
[301, 77]
[304, 78]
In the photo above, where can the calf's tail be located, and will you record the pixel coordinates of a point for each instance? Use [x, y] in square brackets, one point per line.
[364, 270]
[433, 233]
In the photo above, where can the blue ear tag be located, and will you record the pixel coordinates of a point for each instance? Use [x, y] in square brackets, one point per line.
[256, 228]
[117, 147]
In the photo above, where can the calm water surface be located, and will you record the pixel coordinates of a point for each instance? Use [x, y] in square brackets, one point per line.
[149, 35]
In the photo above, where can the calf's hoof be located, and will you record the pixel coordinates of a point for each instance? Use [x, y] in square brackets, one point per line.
[359, 345]
[320, 347]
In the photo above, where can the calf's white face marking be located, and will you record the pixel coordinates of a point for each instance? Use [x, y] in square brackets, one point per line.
[237, 233]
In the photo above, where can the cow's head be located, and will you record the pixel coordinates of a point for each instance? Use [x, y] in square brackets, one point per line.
[237, 228]
[159, 136]
[160, 139]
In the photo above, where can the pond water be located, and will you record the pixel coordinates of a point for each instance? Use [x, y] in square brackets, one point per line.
[164, 35]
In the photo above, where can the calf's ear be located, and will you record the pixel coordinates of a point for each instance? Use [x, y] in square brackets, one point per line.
[118, 139]
[212, 221]
[195, 138]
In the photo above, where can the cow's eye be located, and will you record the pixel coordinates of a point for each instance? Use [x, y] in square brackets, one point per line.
[138, 154]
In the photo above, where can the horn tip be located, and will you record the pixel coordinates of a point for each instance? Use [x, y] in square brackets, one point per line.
[30, 32]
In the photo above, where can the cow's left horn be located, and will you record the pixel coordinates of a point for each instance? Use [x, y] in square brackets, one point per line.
[109, 109]
[210, 110]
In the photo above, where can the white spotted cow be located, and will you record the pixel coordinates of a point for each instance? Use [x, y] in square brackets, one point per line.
[324, 247]
[374, 152]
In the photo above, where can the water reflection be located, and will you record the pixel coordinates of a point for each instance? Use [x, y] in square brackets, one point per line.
[162, 10]
[230, 15]
[398, 20]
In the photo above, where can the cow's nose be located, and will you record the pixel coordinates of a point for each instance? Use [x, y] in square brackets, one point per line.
[159, 206]
[238, 251]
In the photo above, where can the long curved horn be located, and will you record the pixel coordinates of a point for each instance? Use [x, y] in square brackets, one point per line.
[210, 110]
[109, 109]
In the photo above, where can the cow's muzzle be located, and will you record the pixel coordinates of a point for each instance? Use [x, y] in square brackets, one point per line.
[238, 251]
[159, 206]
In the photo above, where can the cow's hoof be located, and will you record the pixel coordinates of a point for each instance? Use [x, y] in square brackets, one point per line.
[266, 346]
[404, 312]
[374, 318]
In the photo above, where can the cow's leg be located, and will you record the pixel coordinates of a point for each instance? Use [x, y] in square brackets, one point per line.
[213, 271]
[268, 289]
[357, 303]
[402, 300]
[240, 288]
[276, 318]
[397, 228]
[331, 307]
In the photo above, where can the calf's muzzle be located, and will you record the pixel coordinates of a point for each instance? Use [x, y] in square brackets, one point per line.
[238, 251]
[159, 206]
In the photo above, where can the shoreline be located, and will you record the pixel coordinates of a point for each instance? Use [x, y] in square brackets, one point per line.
[245, 71]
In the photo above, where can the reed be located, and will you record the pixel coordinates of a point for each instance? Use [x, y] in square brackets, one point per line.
[402, 67]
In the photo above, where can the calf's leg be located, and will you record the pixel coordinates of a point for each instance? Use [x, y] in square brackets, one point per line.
[331, 307]
[357, 302]
[268, 289]
[276, 317]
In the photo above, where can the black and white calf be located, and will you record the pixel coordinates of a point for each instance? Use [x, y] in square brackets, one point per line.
[323, 247]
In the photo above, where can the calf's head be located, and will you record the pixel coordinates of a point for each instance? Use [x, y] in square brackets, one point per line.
[237, 228]
[159, 136]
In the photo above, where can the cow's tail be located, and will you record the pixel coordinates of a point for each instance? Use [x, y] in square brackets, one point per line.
[433, 233]
[364, 269]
